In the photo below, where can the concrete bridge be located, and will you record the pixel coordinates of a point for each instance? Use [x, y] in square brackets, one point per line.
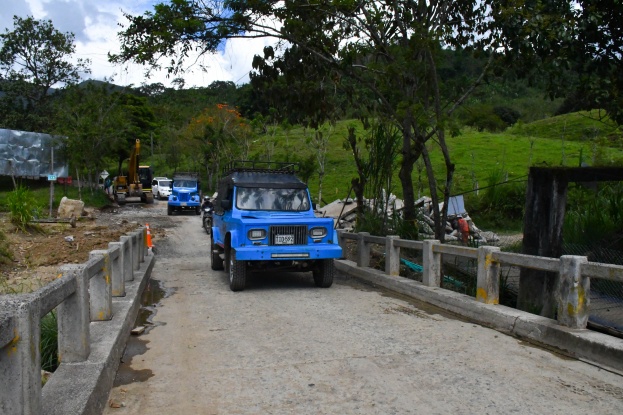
[373, 343]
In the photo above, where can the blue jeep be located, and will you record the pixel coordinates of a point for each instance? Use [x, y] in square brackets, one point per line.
[264, 220]
[184, 193]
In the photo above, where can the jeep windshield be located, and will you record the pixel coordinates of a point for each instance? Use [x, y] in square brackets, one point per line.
[263, 198]
[184, 183]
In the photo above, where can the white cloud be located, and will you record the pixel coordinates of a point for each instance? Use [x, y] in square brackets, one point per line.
[95, 26]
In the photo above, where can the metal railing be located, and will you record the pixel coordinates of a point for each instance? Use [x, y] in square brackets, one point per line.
[80, 294]
[572, 291]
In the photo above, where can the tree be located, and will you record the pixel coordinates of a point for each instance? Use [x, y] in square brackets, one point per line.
[34, 57]
[392, 50]
[576, 47]
[216, 136]
[90, 115]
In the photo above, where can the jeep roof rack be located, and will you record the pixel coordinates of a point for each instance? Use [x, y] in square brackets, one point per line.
[185, 175]
[260, 166]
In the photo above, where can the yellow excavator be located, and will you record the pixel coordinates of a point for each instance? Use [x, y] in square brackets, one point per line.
[137, 183]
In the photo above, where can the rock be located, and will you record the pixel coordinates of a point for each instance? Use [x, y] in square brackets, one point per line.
[138, 330]
[70, 207]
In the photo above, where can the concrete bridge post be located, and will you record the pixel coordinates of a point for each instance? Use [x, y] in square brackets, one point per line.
[363, 250]
[74, 335]
[116, 269]
[127, 258]
[572, 292]
[20, 360]
[392, 256]
[100, 287]
[431, 262]
[142, 234]
[341, 242]
[488, 277]
[136, 249]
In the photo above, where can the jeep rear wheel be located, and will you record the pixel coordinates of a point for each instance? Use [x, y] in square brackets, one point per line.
[323, 274]
[217, 261]
[237, 272]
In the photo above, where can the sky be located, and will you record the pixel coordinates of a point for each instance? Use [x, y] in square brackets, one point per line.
[95, 26]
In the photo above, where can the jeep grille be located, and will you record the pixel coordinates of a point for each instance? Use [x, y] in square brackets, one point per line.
[299, 232]
[183, 197]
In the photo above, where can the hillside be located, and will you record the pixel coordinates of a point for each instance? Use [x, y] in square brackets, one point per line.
[477, 155]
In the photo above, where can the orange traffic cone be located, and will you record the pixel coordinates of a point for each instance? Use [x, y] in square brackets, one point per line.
[148, 241]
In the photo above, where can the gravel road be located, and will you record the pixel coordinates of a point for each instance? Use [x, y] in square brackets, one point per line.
[283, 346]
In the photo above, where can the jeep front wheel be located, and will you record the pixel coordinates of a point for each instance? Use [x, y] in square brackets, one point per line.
[237, 272]
[323, 273]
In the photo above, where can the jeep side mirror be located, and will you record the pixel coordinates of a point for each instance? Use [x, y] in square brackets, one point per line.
[226, 204]
[314, 205]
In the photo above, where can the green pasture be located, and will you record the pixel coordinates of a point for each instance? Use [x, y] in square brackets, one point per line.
[555, 141]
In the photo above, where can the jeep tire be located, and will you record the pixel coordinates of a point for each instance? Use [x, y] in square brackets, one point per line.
[169, 210]
[323, 273]
[237, 272]
[217, 261]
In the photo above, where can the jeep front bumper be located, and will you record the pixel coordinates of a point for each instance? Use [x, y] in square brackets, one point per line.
[293, 252]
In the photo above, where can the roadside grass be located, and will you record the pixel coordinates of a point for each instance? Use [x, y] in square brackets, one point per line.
[40, 192]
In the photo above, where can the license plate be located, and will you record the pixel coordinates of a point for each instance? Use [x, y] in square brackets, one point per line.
[284, 239]
[183, 204]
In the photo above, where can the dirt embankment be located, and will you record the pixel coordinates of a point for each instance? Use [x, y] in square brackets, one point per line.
[29, 260]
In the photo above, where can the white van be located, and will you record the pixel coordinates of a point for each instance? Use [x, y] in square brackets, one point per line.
[161, 187]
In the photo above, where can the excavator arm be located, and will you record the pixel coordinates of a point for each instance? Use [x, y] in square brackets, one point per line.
[133, 163]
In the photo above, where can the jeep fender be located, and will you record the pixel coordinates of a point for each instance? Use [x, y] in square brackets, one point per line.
[230, 239]
[216, 236]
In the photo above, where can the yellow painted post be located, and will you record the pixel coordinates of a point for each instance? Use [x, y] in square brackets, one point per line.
[572, 292]
[488, 278]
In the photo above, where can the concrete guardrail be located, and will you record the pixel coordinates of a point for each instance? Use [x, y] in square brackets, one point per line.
[97, 303]
[568, 332]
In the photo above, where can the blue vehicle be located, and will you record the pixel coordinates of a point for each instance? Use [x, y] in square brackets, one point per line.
[264, 220]
[184, 193]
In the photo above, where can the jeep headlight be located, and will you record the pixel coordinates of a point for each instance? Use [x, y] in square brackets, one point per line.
[256, 234]
[318, 232]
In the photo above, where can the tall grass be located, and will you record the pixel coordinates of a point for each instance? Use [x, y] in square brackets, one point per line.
[49, 342]
[22, 207]
[501, 203]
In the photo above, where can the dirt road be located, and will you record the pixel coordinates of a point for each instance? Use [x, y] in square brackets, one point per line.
[283, 346]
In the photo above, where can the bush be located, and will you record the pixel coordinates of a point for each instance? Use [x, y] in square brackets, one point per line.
[594, 217]
[6, 256]
[509, 115]
[483, 118]
[22, 207]
[375, 223]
